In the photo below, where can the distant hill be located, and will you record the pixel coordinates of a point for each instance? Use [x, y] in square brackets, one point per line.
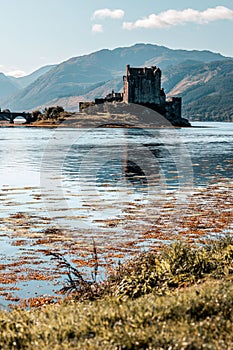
[29, 79]
[206, 89]
[7, 86]
[10, 86]
[96, 74]
[22, 82]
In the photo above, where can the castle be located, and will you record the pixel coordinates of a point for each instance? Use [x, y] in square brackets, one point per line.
[143, 86]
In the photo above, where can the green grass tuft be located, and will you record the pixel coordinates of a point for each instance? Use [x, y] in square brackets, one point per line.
[180, 298]
[174, 267]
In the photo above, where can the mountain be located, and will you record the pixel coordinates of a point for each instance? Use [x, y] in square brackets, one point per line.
[22, 82]
[7, 86]
[14, 81]
[29, 79]
[80, 75]
[206, 88]
[96, 74]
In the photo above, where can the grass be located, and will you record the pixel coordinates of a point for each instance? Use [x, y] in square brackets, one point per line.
[179, 298]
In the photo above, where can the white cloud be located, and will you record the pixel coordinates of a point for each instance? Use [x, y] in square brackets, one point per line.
[107, 13]
[12, 71]
[97, 28]
[16, 73]
[173, 17]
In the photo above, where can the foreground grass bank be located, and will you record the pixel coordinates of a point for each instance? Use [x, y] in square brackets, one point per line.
[181, 298]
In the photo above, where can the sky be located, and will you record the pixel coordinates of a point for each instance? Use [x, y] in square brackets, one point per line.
[35, 33]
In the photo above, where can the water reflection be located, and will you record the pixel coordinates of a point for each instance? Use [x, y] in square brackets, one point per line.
[136, 156]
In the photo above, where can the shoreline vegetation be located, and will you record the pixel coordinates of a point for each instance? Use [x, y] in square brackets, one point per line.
[179, 297]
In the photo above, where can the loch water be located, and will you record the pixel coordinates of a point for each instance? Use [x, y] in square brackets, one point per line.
[76, 179]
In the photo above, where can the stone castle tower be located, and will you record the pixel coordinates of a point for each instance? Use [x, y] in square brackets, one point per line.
[143, 85]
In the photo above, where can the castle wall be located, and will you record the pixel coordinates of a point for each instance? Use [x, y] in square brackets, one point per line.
[173, 108]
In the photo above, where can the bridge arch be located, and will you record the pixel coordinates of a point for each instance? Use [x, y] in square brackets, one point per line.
[11, 116]
[19, 120]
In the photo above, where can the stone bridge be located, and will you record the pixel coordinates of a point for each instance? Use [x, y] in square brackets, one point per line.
[10, 116]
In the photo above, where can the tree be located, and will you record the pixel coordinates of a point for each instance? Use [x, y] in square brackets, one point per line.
[36, 115]
[53, 112]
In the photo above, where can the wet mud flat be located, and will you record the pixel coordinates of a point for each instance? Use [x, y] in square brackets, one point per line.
[28, 234]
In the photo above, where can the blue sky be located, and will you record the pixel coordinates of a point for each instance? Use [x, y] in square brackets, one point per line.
[35, 33]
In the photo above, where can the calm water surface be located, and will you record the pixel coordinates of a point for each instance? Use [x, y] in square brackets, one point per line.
[76, 179]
